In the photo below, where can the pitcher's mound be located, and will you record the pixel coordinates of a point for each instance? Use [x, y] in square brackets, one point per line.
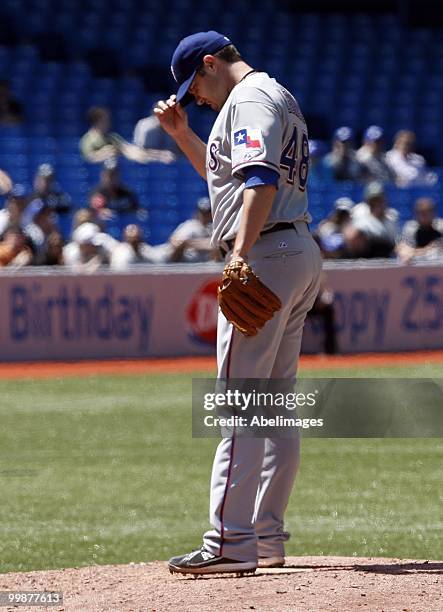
[308, 584]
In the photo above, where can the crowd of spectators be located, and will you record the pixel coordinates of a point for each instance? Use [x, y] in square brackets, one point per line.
[29, 228]
[30, 235]
[370, 162]
[370, 229]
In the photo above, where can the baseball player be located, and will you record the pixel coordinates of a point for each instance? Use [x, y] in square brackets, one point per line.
[256, 165]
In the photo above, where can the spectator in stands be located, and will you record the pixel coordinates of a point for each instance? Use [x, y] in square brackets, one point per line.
[100, 144]
[357, 243]
[376, 221]
[110, 194]
[48, 191]
[38, 221]
[15, 248]
[423, 236]
[11, 214]
[148, 134]
[408, 167]
[90, 248]
[134, 250]
[319, 171]
[84, 215]
[11, 111]
[54, 250]
[342, 159]
[196, 233]
[330, 231]
[372, 156]
[5, 183]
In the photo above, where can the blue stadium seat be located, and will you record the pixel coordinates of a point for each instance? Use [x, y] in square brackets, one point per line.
[36, 159]
[64, 223]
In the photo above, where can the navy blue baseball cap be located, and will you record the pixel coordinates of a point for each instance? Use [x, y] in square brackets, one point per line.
[188, 57]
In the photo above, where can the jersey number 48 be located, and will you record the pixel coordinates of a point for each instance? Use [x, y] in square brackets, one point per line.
[296, 167]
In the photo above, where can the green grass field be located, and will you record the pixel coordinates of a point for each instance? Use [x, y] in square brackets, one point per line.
[104, 470]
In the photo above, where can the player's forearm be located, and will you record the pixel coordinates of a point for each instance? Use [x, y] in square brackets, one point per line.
[195, 150]
[257, 204]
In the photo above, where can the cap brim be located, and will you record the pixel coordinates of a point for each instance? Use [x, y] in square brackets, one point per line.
[183, 96]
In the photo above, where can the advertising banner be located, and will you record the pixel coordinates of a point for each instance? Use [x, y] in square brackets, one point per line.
[172, 310]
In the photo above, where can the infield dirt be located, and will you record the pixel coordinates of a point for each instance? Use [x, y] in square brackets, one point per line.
[306, 584]
[51, 369]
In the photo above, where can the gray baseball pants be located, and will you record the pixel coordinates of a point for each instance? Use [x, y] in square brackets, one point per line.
[252, 478]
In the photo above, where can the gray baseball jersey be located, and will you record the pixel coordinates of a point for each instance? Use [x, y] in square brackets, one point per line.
[259, 124]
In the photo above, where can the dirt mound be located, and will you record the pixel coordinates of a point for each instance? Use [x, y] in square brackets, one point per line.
[308, 584]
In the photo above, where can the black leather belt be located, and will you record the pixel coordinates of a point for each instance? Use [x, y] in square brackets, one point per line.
[278, 227]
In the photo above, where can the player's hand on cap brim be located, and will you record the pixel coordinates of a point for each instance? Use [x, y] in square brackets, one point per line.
[164, 105]
[172, 116]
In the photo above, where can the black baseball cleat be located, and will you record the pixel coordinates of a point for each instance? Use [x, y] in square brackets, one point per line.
[201, 561]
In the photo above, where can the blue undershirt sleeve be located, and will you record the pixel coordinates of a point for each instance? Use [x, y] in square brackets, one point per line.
[260, 175]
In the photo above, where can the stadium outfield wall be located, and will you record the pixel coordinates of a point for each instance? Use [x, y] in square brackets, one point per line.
[166, 311]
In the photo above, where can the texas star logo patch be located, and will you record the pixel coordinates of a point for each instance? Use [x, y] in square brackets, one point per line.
[248, 138]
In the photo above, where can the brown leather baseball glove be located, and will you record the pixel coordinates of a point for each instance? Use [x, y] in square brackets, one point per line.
[244, 300]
